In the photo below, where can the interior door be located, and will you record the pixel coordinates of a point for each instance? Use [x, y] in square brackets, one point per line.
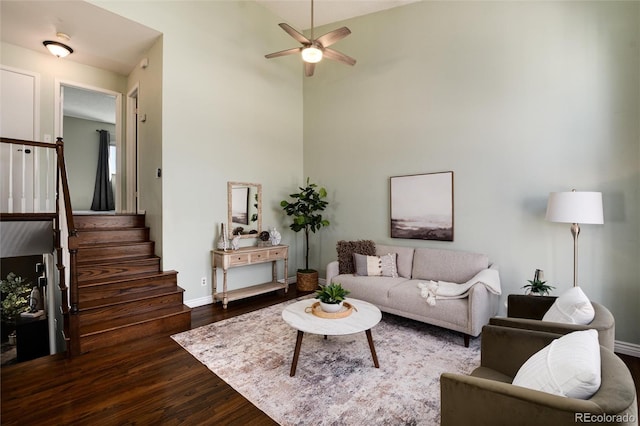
[83, 110]
[18, 120]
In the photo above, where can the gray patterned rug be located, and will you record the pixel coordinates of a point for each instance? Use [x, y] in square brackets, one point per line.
[335, 382]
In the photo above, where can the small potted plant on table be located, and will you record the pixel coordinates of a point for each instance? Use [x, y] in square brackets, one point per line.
[331, 297]
[537, 286]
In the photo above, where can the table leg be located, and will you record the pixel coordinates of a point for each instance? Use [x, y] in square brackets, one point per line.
[373, 349]
[286, 275]
[296, 353]
[224, 288]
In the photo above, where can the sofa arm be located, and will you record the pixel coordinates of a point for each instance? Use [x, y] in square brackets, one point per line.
[482, 306]
[468, 400]
[332, 271]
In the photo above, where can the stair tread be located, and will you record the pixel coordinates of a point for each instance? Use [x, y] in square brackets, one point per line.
[105, 302]
[111, 229]
[118, 261]
[135, 319]
[112, 244]
[131, 277]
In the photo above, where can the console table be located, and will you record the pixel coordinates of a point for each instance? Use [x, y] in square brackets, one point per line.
[247, 256]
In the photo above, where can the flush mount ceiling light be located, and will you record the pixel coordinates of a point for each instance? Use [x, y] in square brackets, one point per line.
[314, 49]
[57, 48]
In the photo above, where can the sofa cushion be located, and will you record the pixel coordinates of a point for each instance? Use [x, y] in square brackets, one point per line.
[571, 307]
[406, 297]
[346, 250]
[372, 289]
[568, 366]
[384, 265]
[404, 259]
[447, 265]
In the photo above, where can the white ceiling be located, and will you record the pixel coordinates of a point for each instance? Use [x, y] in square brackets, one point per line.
[89, 105]
[28, 23]
[297, 13]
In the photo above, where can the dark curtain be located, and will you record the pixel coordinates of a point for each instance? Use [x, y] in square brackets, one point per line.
[103, 193]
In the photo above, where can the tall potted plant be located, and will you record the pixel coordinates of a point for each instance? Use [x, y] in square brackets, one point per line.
[305, 209]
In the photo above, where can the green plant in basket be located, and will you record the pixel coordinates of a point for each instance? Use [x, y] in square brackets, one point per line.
[332, 293]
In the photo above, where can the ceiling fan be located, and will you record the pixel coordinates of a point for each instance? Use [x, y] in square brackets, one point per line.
[313, 50]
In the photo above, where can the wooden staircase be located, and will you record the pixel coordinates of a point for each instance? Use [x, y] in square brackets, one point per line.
[122, 293]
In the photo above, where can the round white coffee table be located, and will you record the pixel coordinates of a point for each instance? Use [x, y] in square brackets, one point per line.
[364, 317]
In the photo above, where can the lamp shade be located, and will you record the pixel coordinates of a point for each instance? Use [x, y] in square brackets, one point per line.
[575, 207]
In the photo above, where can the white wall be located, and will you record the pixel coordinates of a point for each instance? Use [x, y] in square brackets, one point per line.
[519, 99]
[149, 83]
[228, 114]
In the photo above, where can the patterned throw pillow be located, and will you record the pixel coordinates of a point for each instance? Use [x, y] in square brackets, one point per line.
[375, 266]
[346, 250]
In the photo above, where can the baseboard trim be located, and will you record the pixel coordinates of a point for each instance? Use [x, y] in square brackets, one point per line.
[201, 301]
[208, 300]
[625, 348]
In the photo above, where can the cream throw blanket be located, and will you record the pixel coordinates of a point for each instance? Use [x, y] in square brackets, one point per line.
[432, 290]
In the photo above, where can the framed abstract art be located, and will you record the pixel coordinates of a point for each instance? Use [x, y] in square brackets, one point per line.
[422, 206]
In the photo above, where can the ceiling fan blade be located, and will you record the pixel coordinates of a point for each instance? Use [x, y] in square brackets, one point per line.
[309, 68]
[283, 52]
[295, 34]
[333, 36]
[337, 56]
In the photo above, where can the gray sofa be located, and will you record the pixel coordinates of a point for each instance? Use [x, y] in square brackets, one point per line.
[401, 295]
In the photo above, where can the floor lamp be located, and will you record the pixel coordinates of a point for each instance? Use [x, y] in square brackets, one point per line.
[575, 208]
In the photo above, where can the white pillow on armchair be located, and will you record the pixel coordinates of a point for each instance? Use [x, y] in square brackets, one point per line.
[571, 307]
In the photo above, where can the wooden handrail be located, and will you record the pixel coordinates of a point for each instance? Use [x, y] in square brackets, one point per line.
[69, 310]
[65, 187]
[30, 143]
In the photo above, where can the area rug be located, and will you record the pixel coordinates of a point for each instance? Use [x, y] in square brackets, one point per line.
[335, 382]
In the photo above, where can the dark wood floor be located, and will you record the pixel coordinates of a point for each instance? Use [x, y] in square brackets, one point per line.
[150, 381]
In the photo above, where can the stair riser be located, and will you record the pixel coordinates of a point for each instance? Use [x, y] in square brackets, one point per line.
[165, 325]
[126, 309]
[112, 271]
[108, 221]
[115, 252]
[114, 289]
[113, 236]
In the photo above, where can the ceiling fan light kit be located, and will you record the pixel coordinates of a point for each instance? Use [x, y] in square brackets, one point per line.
[311, 54]
[313, 50]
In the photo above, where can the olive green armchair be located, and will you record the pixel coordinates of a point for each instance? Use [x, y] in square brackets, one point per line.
[487, 397]
[526, 312]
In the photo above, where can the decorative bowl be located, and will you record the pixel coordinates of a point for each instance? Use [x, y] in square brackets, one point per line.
[330, 307]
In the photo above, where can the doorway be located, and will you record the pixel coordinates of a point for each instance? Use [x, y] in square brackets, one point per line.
[81, 112]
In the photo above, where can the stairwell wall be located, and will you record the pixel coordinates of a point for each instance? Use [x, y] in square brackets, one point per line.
[228, 114]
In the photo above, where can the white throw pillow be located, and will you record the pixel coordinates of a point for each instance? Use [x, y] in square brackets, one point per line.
[572, 307]
[568, 366]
